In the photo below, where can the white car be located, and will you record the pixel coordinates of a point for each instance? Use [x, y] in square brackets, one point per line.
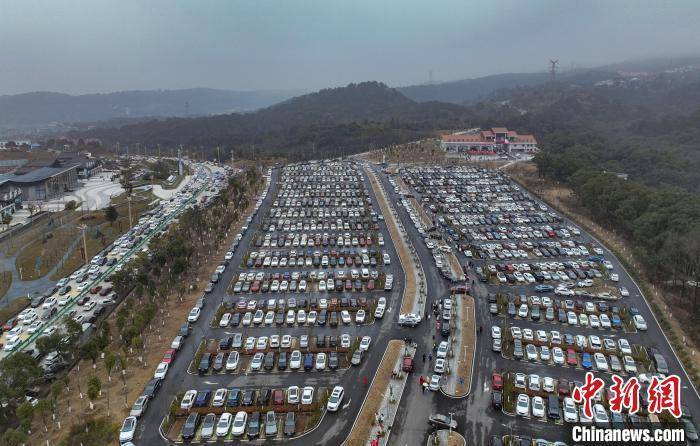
[161, 370]
[194, 315]
[258, 317]
[225, 320]
[601, 362]
[345, 341]
[312, 317]
[345, 317]
[496, 332]
[538, 407]
[523, 310]
[600, 415]
[286, 341]
[224, 424]
[522, 406]
[440, 364]
[516, 332]
[295, 360]
[571, 318]
[256, 363]
[126, 433]
[614, 277]
[629, 364]
[364, 343]
[320, 361]
[293, 393]
[307, 395]
[570, 411]
[624, 292]
[442, 350]
[360, 317]
[639, 322]
[239, 423]
[625, 347]
[336, 399]
[232, 361]
[261, 343]
[188, 399]
[219, 397]
[301, 317]
[558, 355]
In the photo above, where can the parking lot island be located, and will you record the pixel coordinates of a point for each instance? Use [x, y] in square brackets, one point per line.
[412, 301]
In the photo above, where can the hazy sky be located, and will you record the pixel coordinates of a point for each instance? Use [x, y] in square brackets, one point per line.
[108, 45]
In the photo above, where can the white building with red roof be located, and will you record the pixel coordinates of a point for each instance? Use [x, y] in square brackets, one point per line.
[493, 141]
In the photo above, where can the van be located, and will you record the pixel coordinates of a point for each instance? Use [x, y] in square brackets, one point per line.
[553, 407]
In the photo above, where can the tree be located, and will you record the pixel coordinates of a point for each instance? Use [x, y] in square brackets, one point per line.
[95, 432]
[7, 219]
[25, 414]
[90, 349]
[110, 362]
[93, 390]
[17, 374]
[14, 437]
[111, 214]
[44, 408]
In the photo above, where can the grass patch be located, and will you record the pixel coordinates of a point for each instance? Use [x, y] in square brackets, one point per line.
[5, 282]
[12, 308]
[43, 253]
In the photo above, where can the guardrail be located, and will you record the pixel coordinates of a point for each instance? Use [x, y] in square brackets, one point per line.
[34, 336]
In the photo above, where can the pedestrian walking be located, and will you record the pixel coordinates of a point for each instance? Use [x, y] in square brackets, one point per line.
[430, 357]
[423, 357]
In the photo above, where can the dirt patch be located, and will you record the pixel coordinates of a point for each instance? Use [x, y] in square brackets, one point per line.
[455, 266]
[365, 419]
[564, 200]
[453, 438]
[409, 293]
[466, 354]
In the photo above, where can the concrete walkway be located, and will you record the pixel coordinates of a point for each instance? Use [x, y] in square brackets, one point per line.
[390, 402]
[457, 383]
[166, 194]
[96, 193]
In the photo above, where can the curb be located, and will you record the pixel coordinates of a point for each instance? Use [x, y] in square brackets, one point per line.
[471, 373]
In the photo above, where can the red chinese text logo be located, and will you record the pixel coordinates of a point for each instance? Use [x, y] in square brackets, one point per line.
[665, 394]
[587, 392]
[624, 395]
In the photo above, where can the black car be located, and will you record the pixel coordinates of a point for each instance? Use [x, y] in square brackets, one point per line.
[264, 397]
[235, 320]
[282, 361]
[184, 329]
[225, 343]
[333, 361]
[442, 421]
[290, 424]
[279, 318]
[190, 426]
[204, 363]
[254, 425]
[497, 400]
[322, 316]
[152, 388]
[248, 397]
[233, 397]
[269, 361]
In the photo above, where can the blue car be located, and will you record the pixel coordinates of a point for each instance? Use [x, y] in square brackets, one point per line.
[544, 288]
[616, 322]
[586, 361]
[203, 398]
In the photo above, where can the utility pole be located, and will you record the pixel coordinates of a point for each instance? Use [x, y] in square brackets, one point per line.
[85, 251]
[218, 154]
[128, 199]
[159, 151]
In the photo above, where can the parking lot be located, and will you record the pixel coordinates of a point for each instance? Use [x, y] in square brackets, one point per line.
[292, 314]
[552, 304]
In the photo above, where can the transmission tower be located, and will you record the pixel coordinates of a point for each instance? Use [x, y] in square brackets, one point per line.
[553, 69]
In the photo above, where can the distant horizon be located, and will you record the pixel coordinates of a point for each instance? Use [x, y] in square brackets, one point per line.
[561, 69]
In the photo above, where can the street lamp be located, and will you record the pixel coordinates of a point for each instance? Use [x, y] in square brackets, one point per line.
[83, 228]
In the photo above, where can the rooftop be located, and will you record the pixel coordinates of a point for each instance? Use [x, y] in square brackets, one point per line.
[40, 174]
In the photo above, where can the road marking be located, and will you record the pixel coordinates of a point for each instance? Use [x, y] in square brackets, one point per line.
[348, 404]
[210, 383]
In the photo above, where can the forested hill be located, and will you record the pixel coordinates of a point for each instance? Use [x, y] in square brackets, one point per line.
[331, 121]
[40, 108]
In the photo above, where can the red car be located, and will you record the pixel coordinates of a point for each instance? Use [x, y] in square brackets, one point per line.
[169, 355]
[497, 381]
[95, 290]
[571, 357]
[255, 287]
[278, 397]
[370, 285]
[564, 387]
[10, 324]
